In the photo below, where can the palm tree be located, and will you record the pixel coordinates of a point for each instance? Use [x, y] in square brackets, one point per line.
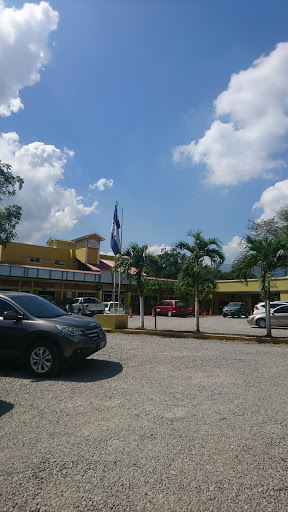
[200, 250]
[266, 254]
[138, 264]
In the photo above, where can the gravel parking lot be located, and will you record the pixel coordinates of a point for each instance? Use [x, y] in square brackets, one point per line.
[209, 324]
[149, 423]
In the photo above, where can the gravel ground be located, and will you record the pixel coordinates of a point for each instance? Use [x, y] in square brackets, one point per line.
[209, 324]
[149, 423]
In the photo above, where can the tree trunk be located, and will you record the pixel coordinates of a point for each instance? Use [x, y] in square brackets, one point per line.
[142, 312]
[197, 303]
[268, 320]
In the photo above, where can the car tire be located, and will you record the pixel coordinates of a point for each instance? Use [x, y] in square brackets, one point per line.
[239, 314]
[43, 359]
[79, 311]
[261, 323]
[224, 316]
[169, 313]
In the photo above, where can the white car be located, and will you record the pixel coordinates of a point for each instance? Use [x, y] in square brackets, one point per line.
[260, 307]
[109, 308]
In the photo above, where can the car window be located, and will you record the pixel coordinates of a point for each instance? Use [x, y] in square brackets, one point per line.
[281, 309]
[180, 304]
[234, 304]
[38, 307]
[276, 304]
[6, 306]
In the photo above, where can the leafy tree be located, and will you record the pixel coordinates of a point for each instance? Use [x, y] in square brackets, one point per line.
[225, 275]
[9, 215]
[168, 264]
[267, 254]
[138, 264]
[200, 250]
[275, 226]
[185, 286]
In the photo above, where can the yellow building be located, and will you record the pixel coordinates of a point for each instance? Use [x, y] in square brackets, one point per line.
[65, 269]
[233, 290]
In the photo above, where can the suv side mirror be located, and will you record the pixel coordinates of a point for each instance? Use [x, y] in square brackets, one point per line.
[12, 315]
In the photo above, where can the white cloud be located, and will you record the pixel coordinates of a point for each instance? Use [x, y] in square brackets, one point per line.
[102, 184]
[47, 207]
[272, 199]
[24, 35]
[157, 249]
[233, 248]
[247, 141]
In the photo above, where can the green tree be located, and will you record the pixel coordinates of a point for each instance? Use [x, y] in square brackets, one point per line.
[185, 286]
[138, 264]
[200, 251]
[11, 214]
[275, 226]
[168, 264]
[267, 254]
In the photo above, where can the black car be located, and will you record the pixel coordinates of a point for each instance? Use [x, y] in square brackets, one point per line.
[43, 335]
[235, 309]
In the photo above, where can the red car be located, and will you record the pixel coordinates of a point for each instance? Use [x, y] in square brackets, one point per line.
[172, 307]
[191, 311]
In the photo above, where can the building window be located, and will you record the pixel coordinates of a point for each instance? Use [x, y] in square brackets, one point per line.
[61, 263]
[34, 260]
[47, 260]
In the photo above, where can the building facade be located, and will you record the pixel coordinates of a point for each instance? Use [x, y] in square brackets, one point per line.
[65, 269]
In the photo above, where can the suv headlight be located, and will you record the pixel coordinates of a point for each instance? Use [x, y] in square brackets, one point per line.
[70, 331]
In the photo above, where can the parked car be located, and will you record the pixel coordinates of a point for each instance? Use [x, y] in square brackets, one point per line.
[235, 309]
[191, 311]
[172, 307]
[85, 306]
[260, 307]
[278, 317]
[118, 310]
[42, 335]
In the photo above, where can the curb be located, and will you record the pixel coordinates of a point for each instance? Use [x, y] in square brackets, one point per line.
[203, 335]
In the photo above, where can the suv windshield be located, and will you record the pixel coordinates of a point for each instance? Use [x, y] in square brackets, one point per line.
[38, 307]
[234, 305]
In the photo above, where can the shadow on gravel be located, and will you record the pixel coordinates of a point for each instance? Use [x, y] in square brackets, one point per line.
[89, 370]
[5, 407]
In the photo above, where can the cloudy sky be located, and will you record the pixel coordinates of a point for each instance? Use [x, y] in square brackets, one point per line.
[177, 109]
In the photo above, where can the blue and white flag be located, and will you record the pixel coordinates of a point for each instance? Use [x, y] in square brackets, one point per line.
[115, 240]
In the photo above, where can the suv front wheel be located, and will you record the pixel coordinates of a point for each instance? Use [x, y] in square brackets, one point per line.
[43, 359]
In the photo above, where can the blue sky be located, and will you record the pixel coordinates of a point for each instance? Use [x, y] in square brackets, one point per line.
[176, 109]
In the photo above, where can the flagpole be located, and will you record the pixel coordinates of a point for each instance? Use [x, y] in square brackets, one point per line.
[114, 274]
[119, 283]
[116, 247]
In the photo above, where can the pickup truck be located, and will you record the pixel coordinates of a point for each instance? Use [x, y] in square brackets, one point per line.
[85, 306]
